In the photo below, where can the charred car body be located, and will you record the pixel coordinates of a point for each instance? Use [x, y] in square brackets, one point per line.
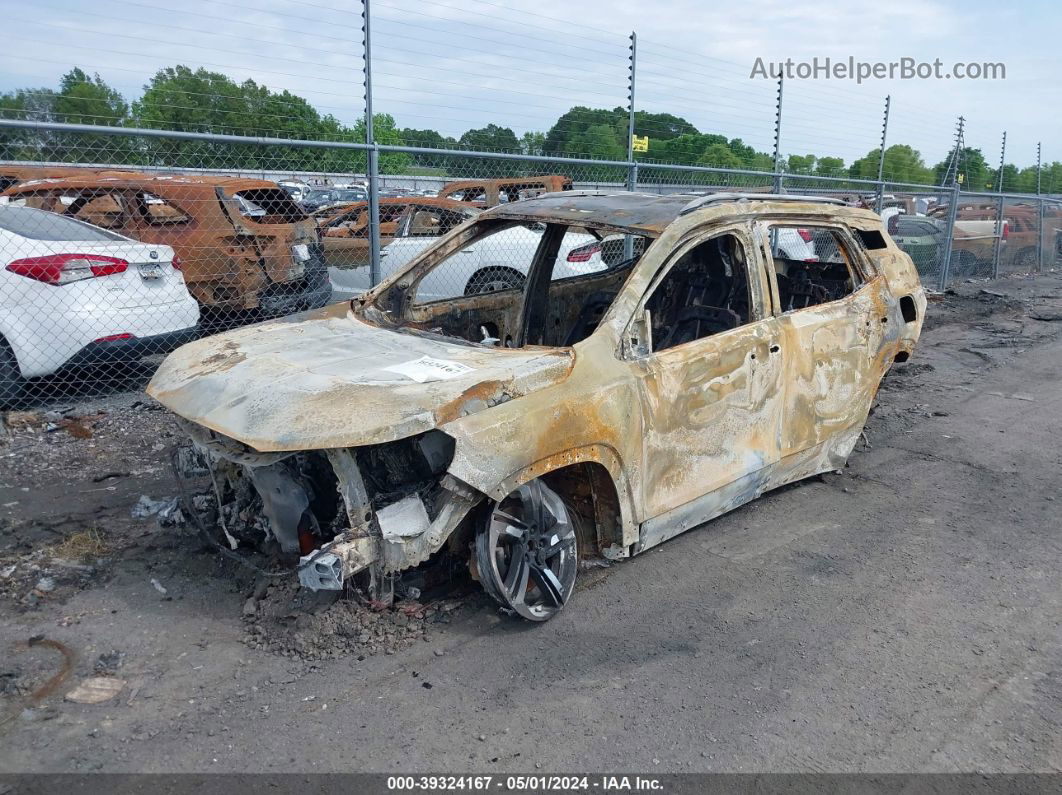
[597, 414]
[491, 192]
[242, 243]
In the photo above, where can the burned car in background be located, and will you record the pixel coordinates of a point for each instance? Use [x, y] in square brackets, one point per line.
[345, 229]
[242, 244]
[409, 226]
[594, 415]
[12, 175]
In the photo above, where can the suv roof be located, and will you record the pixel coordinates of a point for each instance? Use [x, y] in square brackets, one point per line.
[638, 212]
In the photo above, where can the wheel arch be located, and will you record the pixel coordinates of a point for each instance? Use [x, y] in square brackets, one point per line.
[592, 479]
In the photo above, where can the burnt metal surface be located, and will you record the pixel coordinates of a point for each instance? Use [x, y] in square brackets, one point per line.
[642, 213]
[656, 442]
[489, 192]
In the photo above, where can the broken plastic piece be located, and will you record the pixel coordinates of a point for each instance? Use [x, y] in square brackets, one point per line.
[403, 519]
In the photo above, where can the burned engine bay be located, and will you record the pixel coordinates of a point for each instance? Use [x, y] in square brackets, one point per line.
[369, 511]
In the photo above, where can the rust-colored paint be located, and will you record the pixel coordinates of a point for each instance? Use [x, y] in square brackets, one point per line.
[345, 229]
[489, 192]
[228, 259]
[685, 433]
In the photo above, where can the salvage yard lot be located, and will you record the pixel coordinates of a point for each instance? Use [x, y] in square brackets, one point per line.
[903, 614]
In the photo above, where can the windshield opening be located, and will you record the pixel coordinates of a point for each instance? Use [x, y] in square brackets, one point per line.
[511, 284]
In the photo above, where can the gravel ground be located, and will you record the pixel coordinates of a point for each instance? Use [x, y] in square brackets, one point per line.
[902, 615]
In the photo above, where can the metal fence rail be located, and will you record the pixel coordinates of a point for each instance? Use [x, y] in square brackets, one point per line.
[155, 237]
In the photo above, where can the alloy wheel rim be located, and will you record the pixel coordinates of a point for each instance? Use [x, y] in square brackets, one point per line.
[527, 553]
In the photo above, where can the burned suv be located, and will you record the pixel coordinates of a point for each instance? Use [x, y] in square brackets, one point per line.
[242, 244]
[597, 414]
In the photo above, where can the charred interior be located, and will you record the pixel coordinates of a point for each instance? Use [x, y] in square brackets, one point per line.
[553, 295]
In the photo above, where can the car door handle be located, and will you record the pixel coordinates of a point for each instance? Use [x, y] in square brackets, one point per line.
[468, 251]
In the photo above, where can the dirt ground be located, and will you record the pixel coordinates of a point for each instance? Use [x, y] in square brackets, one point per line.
[903, 615]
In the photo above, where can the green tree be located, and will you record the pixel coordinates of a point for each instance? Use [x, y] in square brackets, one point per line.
[27, 104]
[429, 139]
[902, 164]
[533, 143]
[491, 138]
[801, 164]
[384, 131]
[973, 168]
[830, 167]
[719, 156]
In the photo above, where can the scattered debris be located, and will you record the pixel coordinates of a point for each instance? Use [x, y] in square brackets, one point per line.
[158, 586]
[109, 475]
[79, 428]
[146, 507]
[109, 662]
[289, 622]
[18, 420]
[96, 690]
[45, 585]
[82, 545]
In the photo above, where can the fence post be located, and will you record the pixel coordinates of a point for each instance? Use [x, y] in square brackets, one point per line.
[999, 211]
[1040, 237]
[632, 167]
[881, 156]
[778, 185]
[949, 235]
[372, 156]
[1039, 217]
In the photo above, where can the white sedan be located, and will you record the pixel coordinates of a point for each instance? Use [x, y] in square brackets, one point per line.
[497, 262]
[74, 293]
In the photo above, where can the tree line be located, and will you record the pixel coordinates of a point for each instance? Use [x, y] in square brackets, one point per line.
[180, 98]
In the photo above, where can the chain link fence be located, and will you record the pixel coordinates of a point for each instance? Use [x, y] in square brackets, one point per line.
[119, 245]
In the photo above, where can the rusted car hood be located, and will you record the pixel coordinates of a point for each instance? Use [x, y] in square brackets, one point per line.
[327, 380]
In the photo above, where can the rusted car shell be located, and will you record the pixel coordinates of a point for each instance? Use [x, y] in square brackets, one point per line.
[684, 436]
[12, 175]
[229, 260]
[345, 248]
[488, 192]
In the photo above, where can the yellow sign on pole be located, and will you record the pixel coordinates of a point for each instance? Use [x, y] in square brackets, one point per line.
[640, 144]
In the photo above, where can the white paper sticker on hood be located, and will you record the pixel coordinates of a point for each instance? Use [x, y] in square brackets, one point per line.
[427, 368]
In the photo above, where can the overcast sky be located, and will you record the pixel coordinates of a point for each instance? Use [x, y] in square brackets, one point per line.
[455, 64]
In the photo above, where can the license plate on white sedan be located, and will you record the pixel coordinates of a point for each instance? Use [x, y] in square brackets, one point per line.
[150, 270]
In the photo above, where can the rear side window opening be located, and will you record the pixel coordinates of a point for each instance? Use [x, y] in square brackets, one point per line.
[269, 206]
[813, 265]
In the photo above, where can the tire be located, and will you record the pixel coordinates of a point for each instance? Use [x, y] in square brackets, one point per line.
[527, 551]
[493, 279]
[12, 384]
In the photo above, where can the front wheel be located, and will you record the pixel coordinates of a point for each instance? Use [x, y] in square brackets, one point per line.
[493, 279]
[526, 552]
